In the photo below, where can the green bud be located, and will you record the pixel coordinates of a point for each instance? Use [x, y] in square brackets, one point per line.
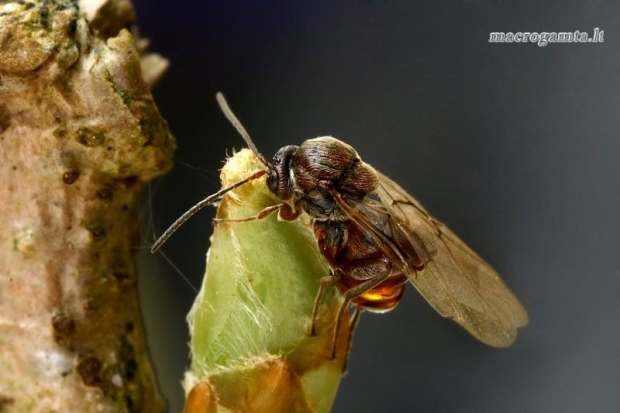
[250, 323]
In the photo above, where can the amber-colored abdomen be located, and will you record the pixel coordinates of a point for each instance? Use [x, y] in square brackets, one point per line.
[380, 299]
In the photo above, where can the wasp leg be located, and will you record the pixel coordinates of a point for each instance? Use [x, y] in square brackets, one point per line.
[355, 318]
[324, 282]
[284, 210]
[349, 295]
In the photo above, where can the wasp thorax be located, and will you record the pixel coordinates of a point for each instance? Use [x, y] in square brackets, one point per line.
[330, 164]
[314, 172]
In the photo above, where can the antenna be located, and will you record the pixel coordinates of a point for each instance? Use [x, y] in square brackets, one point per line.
[221, 100]
[211, 199]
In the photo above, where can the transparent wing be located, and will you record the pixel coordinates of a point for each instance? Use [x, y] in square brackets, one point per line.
[454, 280]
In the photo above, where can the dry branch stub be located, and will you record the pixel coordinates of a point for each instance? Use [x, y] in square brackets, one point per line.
[79, 135]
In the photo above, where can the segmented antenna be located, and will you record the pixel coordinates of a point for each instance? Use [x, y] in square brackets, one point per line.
[221, 100]
[211, 199]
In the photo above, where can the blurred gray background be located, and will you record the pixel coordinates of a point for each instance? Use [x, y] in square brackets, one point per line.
[514, 146]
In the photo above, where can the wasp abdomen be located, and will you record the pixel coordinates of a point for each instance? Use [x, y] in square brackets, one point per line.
[355, 258]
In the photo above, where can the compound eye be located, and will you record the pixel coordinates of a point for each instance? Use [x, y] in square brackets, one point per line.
[272, 181]
[278, 179]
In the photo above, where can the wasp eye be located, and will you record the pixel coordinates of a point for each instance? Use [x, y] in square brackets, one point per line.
[272, 180]
[278, 177]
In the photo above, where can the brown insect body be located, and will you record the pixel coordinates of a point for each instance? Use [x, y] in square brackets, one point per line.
[309, 175]
[375, 236]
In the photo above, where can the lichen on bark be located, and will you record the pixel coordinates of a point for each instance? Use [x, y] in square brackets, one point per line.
[79, 136]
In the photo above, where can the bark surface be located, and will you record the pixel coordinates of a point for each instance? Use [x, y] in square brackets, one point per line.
[79, 136]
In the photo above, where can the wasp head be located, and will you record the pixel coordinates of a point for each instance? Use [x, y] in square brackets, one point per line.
[279, 174]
